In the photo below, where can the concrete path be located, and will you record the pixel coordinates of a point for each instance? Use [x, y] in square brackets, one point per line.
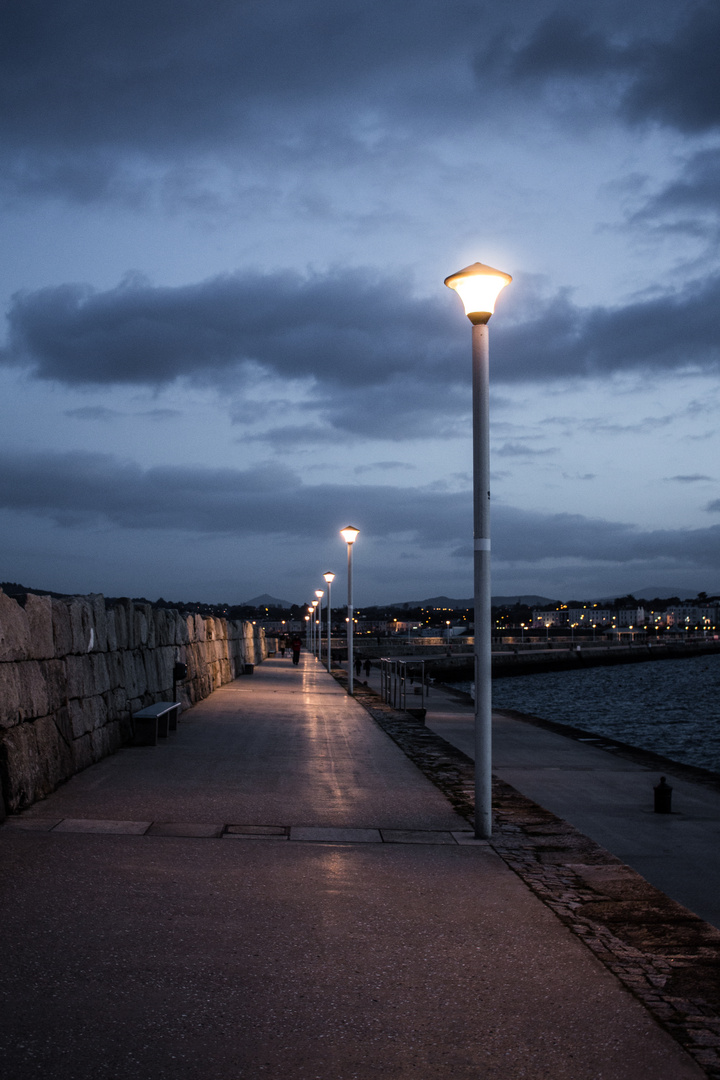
[606, 797]
[278, 892]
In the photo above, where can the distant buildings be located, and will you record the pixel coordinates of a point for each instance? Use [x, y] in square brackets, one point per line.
[591, 616]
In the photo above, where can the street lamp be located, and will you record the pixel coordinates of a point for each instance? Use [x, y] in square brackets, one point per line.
[350, 535]
[313, 623]
[329, 577]
[479, 286]
[319, 593]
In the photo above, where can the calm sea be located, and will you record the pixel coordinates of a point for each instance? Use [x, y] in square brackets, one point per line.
[669, 706]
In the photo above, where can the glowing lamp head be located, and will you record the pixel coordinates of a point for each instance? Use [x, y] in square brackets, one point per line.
[329, 577]
[319, 593]
[478, 286]
[349, 534]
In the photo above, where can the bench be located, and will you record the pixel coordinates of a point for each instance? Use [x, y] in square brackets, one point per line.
[153, 721]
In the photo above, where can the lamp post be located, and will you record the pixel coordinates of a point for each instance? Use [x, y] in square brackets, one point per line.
[314, 624]
[329, 577]
[319, 593]
[478, 286]
[350, 535]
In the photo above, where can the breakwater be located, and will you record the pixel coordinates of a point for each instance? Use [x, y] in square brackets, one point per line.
[530, 660]
[73, 669]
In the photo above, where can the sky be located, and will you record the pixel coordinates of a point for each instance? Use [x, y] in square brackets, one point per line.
[226, 227]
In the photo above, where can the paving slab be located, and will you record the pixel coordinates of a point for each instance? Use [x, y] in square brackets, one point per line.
[416, 836]
[176, 828]
[102, 825]
[320, 835]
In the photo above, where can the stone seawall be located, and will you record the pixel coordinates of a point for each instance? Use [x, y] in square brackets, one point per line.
[73, 669]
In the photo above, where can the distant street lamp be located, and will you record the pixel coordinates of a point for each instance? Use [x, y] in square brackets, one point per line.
[479, 286]
[319, 593]
[329, 577]
[313, 623]
[350, 535]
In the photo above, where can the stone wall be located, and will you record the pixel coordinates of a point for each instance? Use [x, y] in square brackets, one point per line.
[72, 669]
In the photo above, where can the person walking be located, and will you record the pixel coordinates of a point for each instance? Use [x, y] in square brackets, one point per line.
[296, 647]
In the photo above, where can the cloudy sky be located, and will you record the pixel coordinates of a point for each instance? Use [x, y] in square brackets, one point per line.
[226, 227]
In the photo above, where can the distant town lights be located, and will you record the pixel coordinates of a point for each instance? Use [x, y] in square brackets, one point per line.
[478, 286]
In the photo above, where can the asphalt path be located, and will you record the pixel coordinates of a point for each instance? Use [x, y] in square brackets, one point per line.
[603, 794]
[276, 891]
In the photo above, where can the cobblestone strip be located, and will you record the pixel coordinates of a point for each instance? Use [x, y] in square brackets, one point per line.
[666, 956]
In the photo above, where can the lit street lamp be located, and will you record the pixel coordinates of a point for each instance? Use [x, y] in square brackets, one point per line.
[479, 286]
[313, 623]
[319, 593]
[350, 535]
[329, 577]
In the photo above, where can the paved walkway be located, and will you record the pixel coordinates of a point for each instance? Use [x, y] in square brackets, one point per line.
[606, 796]
[278, 892]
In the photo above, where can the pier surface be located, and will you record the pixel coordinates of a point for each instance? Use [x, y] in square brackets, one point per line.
[277, 891]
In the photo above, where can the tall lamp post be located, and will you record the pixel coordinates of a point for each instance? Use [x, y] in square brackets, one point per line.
[319, 593]
[314, 623]
[329, 578]
[479, 286]
[350, 535]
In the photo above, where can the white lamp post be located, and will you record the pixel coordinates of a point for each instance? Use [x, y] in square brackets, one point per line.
[320, 593]
[350, 535]
[313, 623]
[329, 577]
[478, 286]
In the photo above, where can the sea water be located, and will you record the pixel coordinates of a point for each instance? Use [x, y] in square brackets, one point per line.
[669, 706]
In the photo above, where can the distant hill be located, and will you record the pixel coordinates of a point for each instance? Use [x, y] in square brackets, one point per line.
[498, 601]
[653, 592]
[266, 600]
[530, 599]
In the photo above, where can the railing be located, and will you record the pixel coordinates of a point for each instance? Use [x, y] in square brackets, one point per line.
[395, 675]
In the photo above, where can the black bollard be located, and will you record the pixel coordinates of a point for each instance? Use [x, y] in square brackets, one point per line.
[663, 797]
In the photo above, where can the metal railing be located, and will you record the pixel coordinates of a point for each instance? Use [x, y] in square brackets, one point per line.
[395, 677]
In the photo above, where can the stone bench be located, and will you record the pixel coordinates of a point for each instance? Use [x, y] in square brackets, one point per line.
[153, 721]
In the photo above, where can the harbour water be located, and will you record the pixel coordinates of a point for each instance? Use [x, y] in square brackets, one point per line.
[669, 706]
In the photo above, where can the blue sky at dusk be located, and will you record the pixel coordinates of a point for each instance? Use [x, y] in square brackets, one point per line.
[226, 228]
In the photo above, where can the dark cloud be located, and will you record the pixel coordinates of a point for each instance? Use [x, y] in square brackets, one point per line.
[519, 450]
[98, 100]
[677, 79]
[347, 327]
[374, 360]
[692, 478]
[92, 93]
[80, 490]
[667, 332]
[521, 536]
[663, 70]
[691, 202]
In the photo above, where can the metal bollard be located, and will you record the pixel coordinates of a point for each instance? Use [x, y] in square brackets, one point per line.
[663, 797]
